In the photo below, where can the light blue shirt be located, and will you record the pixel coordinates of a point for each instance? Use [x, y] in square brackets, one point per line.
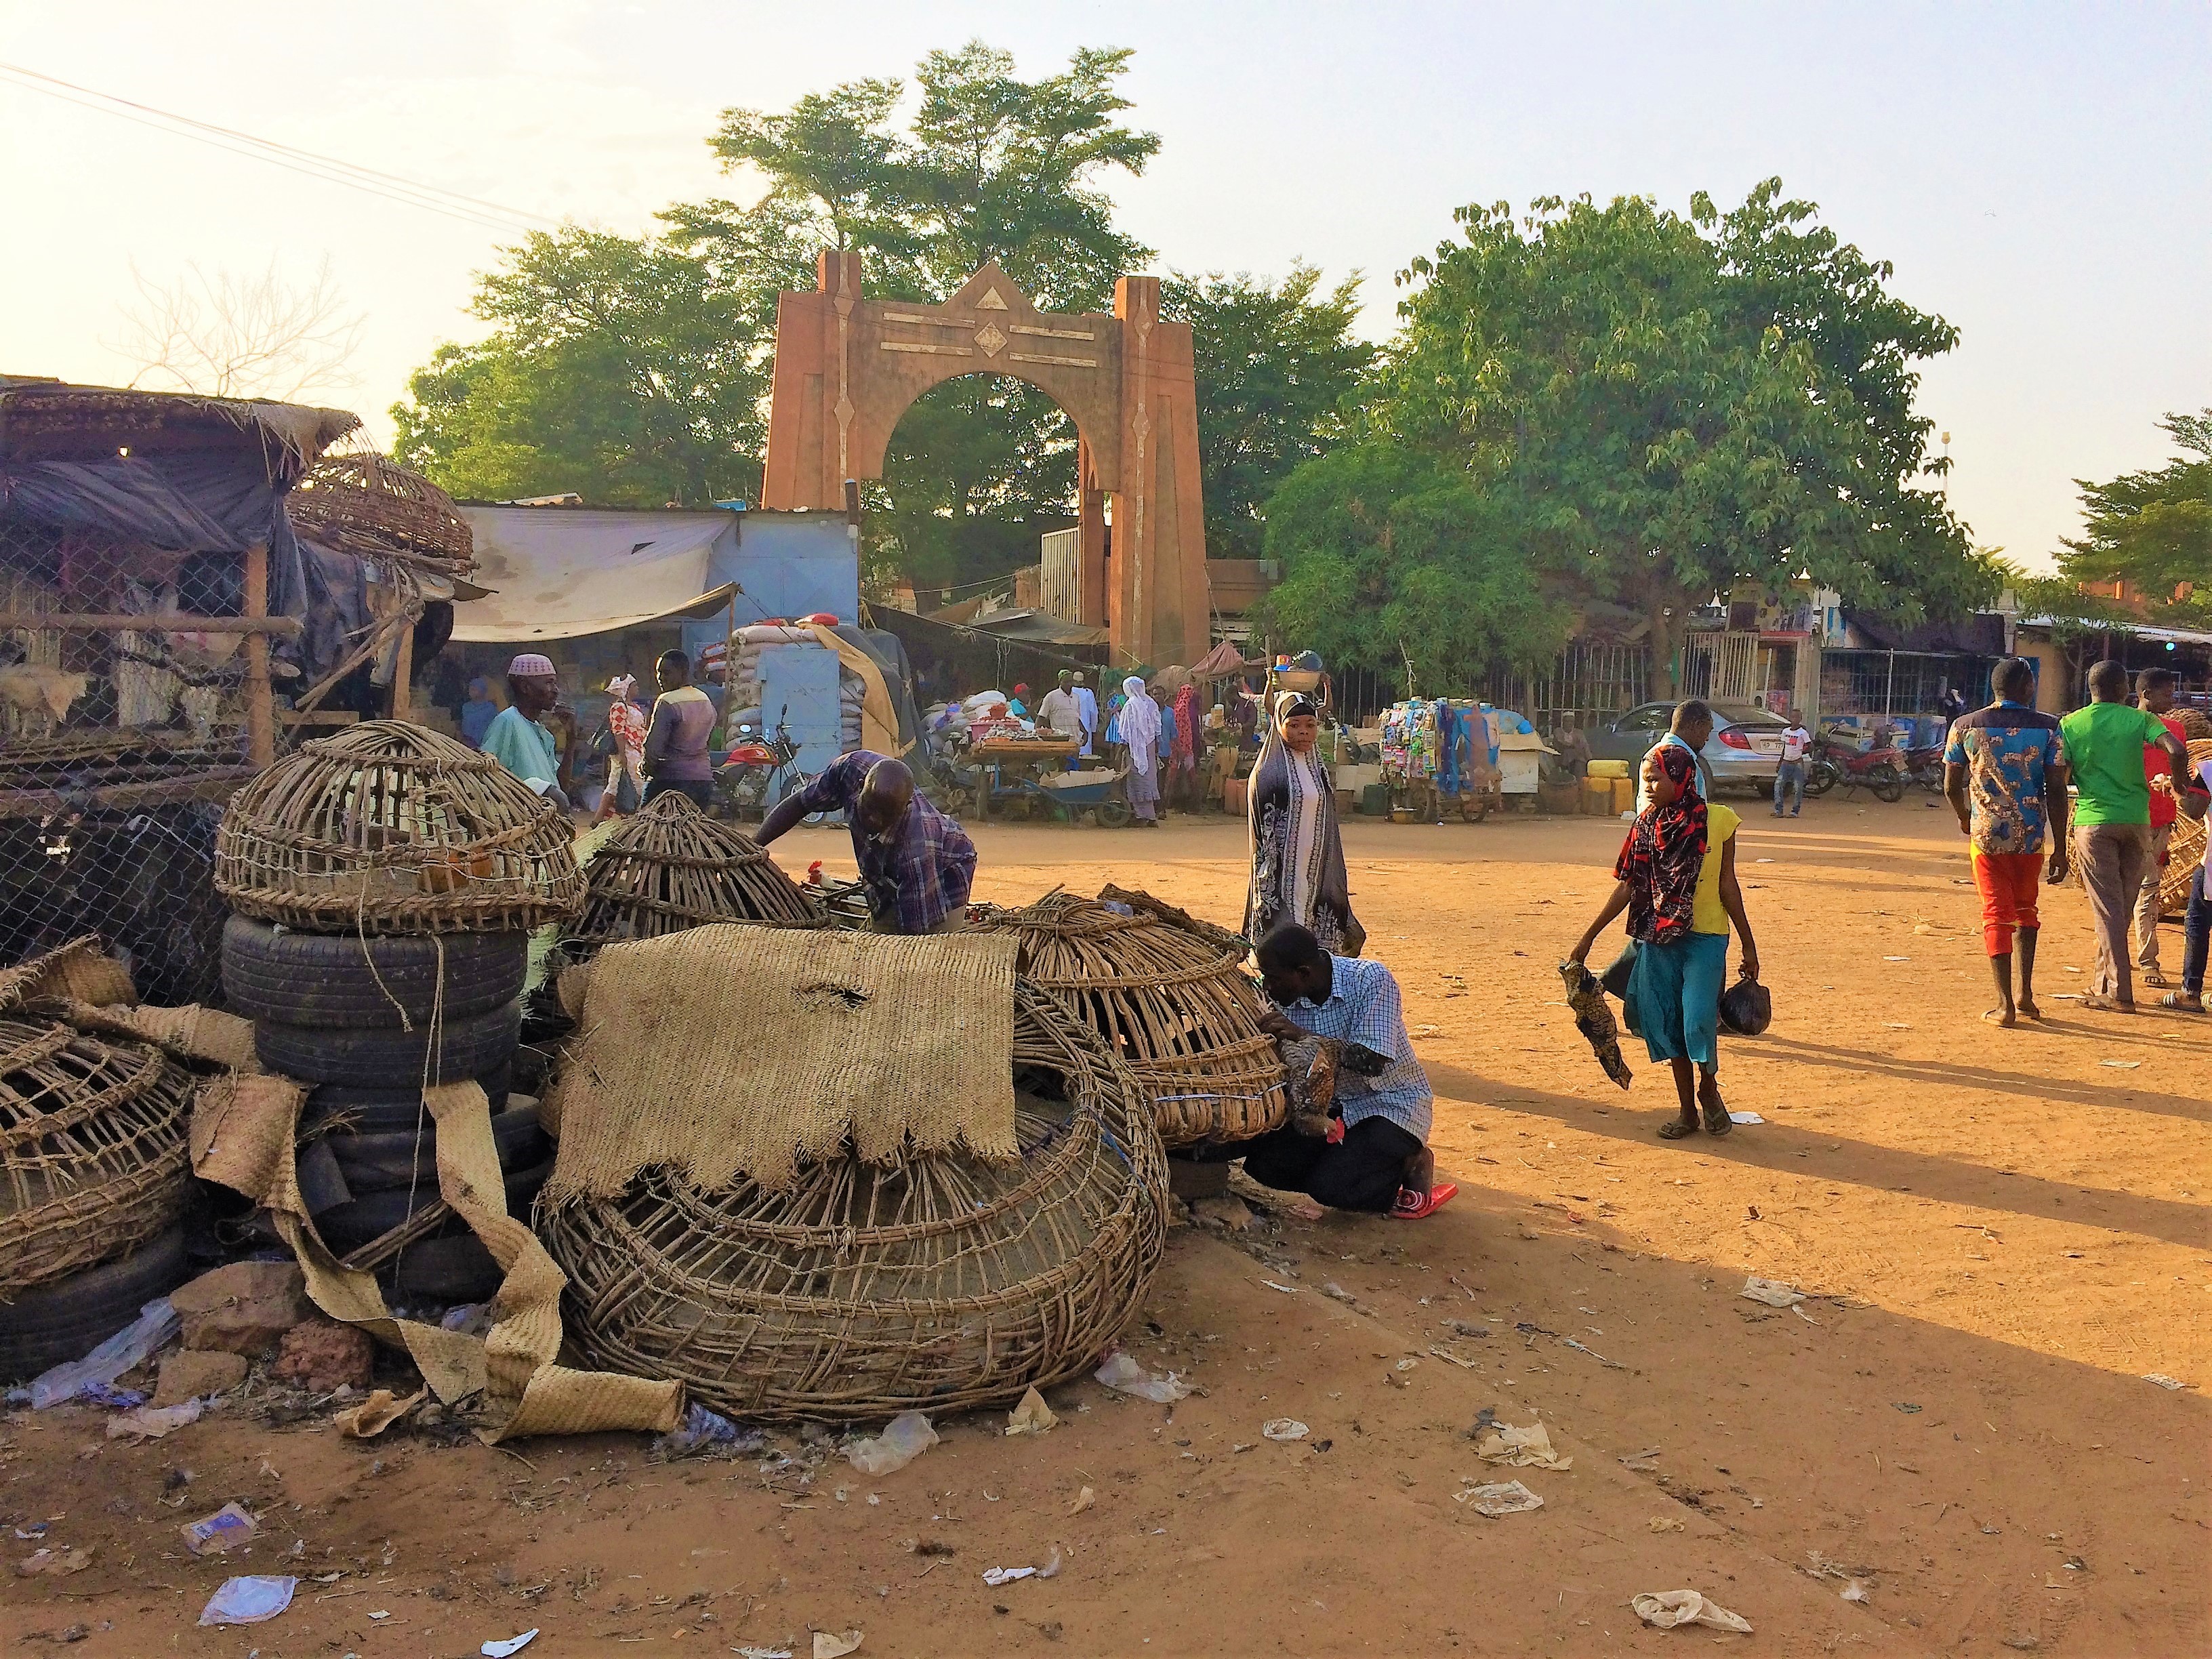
[524, 748]
[1364, 1006]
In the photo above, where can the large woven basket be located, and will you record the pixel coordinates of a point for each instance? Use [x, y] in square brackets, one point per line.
[940, 1285]
[2184, 849]
[1179, 1011]
[670, 867]
[389, 828]
[92, 1149]
[361, 502]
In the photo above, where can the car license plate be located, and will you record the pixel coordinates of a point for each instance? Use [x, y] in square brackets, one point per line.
[1763, 745]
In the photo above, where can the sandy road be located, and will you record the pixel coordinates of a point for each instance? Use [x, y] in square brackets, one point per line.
[2003, 1230]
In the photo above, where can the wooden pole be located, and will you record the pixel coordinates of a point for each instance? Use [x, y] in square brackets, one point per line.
[402, 670]
[74, 621]
[260, 707]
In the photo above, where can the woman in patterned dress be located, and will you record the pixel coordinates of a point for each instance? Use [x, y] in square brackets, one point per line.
[1298, 852]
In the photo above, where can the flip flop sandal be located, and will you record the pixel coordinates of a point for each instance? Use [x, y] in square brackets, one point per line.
[1674, 1129]
[1412, 1206]
[2103, 1005]
[1716, 1120]
[2181, 1003]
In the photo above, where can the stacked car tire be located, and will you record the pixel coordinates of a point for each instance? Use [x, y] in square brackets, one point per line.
[366, 1022]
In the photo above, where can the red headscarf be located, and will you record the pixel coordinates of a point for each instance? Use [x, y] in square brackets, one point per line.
[1664, 854]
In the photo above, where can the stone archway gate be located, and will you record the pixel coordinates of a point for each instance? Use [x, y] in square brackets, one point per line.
[847, 367]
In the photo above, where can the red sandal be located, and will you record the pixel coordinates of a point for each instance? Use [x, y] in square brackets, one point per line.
[1412, 1206]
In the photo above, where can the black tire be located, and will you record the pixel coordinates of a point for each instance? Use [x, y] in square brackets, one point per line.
[327, 980]
[450, 1271]
[350, 1226]
[378, 1163]
[1821, 777]
[1115, 815]
[1886, 783]
[70, 1317]
[390, 1111]
[387, 1057]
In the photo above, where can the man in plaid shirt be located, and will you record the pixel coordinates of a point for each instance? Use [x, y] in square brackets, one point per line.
[917, 863]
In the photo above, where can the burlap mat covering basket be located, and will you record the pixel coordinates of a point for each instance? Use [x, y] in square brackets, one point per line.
[1177, 1010]
[942, 1283]
[92, 1149]
[389, 828]
[670, 867]
[2184, 849]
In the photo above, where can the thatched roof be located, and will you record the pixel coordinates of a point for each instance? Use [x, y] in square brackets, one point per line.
[46, 419]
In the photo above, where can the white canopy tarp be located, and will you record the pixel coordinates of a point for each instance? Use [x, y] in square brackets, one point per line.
[562, 573]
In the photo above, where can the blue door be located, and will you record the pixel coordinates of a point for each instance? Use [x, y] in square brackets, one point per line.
[799, 687]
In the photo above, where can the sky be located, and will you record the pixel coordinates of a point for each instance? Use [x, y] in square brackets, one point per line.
[2036, 173]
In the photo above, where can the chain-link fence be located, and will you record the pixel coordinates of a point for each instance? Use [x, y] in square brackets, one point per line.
[118, 747]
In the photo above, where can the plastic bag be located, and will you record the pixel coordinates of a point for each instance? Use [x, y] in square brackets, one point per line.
[132, 1345]
[904, 1438]
[1125, 1375]
[703, 1427]
[1746, 1008]
[248, 1601]
[1665, 1609]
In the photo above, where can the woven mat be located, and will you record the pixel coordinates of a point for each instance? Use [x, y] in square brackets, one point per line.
[730, 1051]
[242, 1136]
[79, 971]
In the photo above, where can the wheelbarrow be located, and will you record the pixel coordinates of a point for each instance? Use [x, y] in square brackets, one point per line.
[1097, 793]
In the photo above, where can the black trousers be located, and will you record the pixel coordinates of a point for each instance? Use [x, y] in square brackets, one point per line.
[1363, 1172]
[701, 791]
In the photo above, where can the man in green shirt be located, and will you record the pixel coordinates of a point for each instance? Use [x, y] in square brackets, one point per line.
[516, 739]
[2105, 744]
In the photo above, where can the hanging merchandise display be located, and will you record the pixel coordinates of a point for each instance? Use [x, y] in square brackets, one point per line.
[1439, 756]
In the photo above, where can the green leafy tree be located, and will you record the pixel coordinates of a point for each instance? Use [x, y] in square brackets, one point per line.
[1669, 403]
[628, 369]
[2153, 529]
[1393, 560]
[1277, 365]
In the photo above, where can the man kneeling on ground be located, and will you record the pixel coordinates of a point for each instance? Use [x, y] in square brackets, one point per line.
[1378, 1159]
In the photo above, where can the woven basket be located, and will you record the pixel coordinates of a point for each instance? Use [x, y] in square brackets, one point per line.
[92, 1150]
[941, 1284]
[361, 502]
[389, 828]
[670, 867]
[1178, 1011]
[2184, 849]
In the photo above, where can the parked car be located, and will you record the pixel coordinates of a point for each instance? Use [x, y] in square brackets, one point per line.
[1745, 749]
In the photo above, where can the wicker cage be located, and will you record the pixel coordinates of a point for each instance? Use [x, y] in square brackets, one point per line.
[358, 502]
[1177, 1010]
[389, 828]
[670, 867]
[2184, 850]
[92, 1149]
[941, 1284]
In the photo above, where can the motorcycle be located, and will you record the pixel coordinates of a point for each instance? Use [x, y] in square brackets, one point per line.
[1833, 761]
[1925, 766]
[744, 784]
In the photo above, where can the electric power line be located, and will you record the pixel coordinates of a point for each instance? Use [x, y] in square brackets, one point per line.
[408, 192]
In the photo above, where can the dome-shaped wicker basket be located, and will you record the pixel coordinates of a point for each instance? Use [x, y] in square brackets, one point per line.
[670, 867]
[1179, 1011]
[93, 1156]
[359, 501]
[389, 828]
[941, 1284]
[2184, 849]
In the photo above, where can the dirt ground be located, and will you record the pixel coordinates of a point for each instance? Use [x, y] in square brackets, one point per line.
[2000, 1233]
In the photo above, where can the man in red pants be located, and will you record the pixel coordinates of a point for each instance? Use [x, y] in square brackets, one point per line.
[2005, 772]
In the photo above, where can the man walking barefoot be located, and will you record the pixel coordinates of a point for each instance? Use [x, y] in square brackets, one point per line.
[2004, 773]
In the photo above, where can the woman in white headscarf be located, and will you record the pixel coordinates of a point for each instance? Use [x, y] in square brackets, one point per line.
[1141, 735]
[1298, 853]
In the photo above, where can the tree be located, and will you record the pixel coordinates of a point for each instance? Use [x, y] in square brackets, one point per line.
[1277, 364]
[1393, 560]
[230, 336]
[2153, 529]
[1668, 404]
[630, 370]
